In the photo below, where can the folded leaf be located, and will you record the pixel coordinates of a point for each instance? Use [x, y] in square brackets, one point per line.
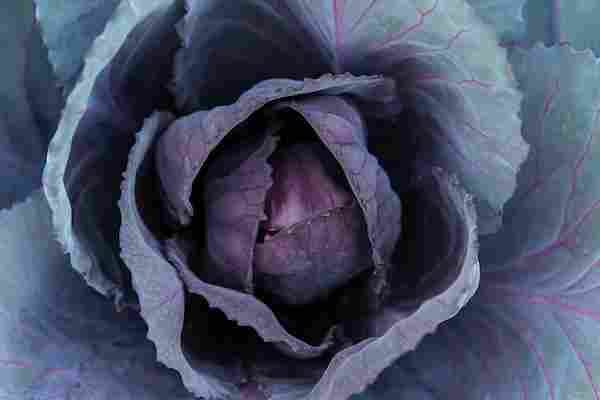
[226, 44]
[505, 16]
[541, 23]
[452, 81]
[547, 270]
[234, 195]
[124, 79]
[577, 23]
[341, 128]
[58, 338]
[186, 145]
[161, 292]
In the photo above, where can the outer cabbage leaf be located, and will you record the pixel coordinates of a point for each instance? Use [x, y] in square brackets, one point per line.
[483, 353]
[506, 16]
[406, 318]
[577, 23]
[541, 24]
[24, 132]
[340, 127]
[43, 90]
[161, 292]
[58, 338]
[69, 29]
[215, 357]
[452, 79]
[226, 45]
[89, 151]
[550, 280]
[531, 332]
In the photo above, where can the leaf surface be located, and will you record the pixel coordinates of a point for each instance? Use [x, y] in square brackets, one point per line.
[452, 79]
[58, 338]
[88, 153]
[506, 16]
[530, 332]
[29, 104]
[69, 29]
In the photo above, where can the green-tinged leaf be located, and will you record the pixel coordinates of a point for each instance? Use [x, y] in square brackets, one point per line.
[69, 29]
[542, 269]
[401, 324]
[161, 293]
[187, 144]
[120, 86]
[58, 338]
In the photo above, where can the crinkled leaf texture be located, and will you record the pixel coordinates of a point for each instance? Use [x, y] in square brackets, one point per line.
[532, 330]
[69, 29]
[452, 80]
[58, 338]
[187, 144]
[541, 24]
[406, 318]
[124, 79]
[215, 368]
[27, 102]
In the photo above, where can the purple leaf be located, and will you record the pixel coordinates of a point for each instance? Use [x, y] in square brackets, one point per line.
[226, 43]
[186, 145]
[315, 235]
[234, 195]
[304, 183]
[340, 127]
[404, 319]
[310, 260]
[25, 129]
[89, 151]
[452, 79]
[59, 339]
[69, 30]
[161, 292]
